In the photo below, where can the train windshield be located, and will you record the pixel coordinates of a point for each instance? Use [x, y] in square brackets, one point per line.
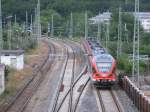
[104, 67]
[104, 62]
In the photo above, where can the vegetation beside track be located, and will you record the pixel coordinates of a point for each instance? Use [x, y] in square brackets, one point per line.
[16, 79]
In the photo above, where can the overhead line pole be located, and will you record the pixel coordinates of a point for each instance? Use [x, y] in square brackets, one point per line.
[26, 21]
[119, 42]
[135, 66]
[1, 31]
[52, 26]
[38, 19]
[71, 26]
[99, 31]
[86, 25]
[107, 35]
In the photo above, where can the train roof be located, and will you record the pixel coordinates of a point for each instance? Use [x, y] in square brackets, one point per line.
[96, 47]
[103, 58]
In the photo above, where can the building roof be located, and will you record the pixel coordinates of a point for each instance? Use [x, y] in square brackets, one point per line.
[143, 15]
[106, 16]
[12, 52]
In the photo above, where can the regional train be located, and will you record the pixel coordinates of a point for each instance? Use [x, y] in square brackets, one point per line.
[102, 65]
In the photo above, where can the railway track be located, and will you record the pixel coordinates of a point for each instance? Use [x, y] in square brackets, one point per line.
[107, 101]
[20, 101]
[63, 101]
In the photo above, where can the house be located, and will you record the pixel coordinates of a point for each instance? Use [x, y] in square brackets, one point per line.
[13, 58]
[144, 18]
[101, 18]
[2, 78]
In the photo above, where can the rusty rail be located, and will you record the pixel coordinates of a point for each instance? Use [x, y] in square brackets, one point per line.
[137, 96]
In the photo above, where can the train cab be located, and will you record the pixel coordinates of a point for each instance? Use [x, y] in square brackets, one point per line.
[103, 70]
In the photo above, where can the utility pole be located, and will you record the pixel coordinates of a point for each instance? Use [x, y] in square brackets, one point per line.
[52, 26]
[26, 21]
[107, 34]
[16, 33]
[135, 67]
[35, 26]
[31, 23]
[71, 26]
[15, 21]
[48, 29]
[38, 20]
[9, 33]
[1, 31]
[86, 25]
[119, 43]
[99, 31]
[126, 33]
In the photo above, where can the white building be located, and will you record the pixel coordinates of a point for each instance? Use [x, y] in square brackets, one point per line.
[2, 78]
[144, 18]
[101, 18]
[13, 58]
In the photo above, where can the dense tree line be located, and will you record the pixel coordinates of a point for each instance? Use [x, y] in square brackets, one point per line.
[64, 7]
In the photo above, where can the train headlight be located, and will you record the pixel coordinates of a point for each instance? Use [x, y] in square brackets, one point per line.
[97, 74]
[110, 75]
[93, 70]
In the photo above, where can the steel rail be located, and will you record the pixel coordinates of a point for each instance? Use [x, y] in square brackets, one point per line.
[75, 82]
[60, 84]
[78, 99]
[21, 92]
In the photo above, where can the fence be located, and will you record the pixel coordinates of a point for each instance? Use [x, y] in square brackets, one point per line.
[137, 96]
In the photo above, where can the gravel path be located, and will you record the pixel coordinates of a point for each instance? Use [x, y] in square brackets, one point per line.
[126, 102]
[88, 101]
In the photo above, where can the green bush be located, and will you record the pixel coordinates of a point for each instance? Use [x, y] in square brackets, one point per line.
[7, 72]
[123, 64]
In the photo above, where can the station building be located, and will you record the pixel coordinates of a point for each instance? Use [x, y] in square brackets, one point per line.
[13, 58]
[101, 18]
[144, 18]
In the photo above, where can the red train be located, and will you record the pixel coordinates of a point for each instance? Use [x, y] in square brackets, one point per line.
[102, 65]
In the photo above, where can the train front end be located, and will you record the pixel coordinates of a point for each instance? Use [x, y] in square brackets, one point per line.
[103, 70]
